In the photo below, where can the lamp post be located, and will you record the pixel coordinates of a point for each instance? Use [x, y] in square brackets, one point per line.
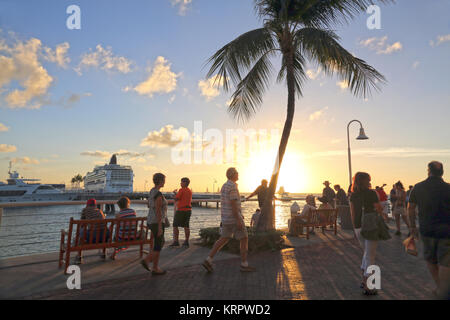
[362, 136]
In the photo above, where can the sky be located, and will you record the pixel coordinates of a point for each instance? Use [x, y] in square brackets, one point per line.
[132, 80]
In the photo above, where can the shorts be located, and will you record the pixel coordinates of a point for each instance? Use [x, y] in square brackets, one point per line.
[158, 242]
[230, 231]
[399, 211]
[182, 218]
[436, 251]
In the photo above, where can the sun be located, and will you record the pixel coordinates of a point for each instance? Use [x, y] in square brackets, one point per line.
[293, 173]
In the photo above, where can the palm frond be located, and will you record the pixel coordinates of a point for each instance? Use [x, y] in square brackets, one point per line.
[322, 47]
[299, 72]
[317, 13]
[238, 56]
[247, 98]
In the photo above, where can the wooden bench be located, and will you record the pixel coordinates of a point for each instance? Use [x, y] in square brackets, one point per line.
[102, 234]
[318, 218]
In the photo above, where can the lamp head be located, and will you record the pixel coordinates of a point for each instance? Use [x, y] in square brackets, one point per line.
[362, 135]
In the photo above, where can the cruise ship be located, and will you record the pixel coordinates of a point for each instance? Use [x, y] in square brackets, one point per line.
[110, 178]
[18, 189]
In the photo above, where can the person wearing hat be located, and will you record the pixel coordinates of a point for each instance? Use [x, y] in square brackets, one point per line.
[328, 193]
[91, 212]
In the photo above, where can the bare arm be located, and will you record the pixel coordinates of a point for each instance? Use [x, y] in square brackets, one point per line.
[236, 214]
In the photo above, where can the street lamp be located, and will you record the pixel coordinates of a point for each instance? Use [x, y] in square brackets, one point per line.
[362, 136]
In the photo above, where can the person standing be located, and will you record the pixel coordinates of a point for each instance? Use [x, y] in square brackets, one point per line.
[261, 191]
[232, 222]
[157, 215]
[328, 193]
[183, 213]
[432, 199]
[383, 199]
[392, 199]
[364, 201]
[400, 207]
[341, 197]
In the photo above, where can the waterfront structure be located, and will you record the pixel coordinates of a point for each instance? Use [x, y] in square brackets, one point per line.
[111, 177]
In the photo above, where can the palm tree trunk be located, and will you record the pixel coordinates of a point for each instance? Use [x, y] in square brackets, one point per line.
[267, 219]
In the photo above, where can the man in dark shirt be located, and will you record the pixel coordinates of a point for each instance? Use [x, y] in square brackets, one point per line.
[261, 191]
[341, 197]
[329, 193]
[432, 199]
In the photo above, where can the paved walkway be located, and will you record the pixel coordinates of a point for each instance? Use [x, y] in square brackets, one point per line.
[325, 268]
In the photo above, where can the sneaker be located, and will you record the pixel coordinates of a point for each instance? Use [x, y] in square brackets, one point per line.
[247, 269]
[186, 244]
[208, 266]
[398, 233]
[174, 244]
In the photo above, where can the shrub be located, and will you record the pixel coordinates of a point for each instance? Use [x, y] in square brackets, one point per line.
[257, 241]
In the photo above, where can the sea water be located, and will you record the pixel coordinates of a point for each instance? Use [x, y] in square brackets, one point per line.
[32, 230]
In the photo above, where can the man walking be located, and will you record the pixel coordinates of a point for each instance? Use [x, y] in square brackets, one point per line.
[232, 222]
[432, 198]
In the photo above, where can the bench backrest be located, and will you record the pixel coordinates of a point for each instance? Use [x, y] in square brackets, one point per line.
[84, 233]
[322, 216]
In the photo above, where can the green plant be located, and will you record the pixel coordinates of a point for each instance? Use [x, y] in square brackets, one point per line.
[257, 241]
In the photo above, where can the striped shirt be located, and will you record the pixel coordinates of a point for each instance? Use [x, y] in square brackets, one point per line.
[92, 213]
[228, 193]
[126, 230]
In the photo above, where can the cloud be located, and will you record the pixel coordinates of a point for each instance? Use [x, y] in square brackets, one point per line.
[380, 45]
[342, 84]
[7, 148]
[161, 80]
[166, 137]
[440, 40]
[97, 154]
[318, 114]
[313, 74]
[59, 55]
[20, 62]
[3, 128]
[183, 6]
[104, 59]
[171, 99]
[387, 153]
[210, 88]
[25, 160]
[107, 154]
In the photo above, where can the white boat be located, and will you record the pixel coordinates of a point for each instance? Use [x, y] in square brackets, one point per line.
[110, 178]
[18, 189]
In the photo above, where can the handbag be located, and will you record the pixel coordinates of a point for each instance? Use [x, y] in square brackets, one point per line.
[410, 246]
[373, 226]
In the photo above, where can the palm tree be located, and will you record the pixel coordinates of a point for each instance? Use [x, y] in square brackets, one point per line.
[77, 180]
[297, 30]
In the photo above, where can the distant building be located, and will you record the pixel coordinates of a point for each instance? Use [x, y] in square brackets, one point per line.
[110, 178]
